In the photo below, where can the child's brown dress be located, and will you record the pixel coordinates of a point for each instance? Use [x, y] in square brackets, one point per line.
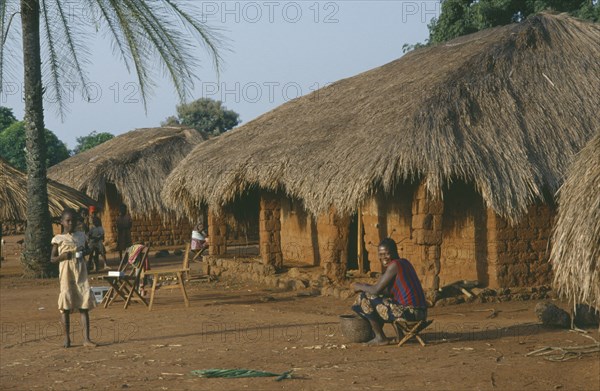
[75, 292]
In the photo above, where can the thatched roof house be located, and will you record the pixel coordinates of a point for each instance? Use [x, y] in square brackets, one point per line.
[13, 195]
[576, 238]
[131, 169]
[501, 111]
[137, 163]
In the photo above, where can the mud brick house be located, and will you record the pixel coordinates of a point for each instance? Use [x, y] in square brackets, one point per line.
[455, 151]
[13, 199]
[130, 169]
[576, 239]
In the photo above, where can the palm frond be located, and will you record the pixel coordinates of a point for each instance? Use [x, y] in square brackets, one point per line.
[146, 36]
[73, 47]
[7, 16]
[211, 38]
[53, 61]
[108, 17]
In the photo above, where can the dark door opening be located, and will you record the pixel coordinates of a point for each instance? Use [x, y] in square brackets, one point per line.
[354, 249]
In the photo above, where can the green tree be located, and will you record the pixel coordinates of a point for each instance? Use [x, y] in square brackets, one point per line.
[12, 146]
[205, 115]
[461, 17]
[7, 118]
[144, 34]
[91, 140]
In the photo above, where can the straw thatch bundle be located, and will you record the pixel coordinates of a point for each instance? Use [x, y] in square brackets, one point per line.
[136, 162]
[575, 253]
[13, 195]
[504, 109]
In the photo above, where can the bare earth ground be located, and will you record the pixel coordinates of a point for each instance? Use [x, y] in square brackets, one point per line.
[240, 325]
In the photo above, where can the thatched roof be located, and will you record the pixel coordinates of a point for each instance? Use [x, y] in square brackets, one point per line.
[504, 109]
[13, 195]
[137, 163]
[576, 249]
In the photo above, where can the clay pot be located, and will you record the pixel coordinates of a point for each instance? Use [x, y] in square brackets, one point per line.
[355, 329]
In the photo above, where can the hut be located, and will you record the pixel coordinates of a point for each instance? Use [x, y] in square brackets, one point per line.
[13, 199]
[453, 150]
[13, 195]
[130, 169]
[576, 239]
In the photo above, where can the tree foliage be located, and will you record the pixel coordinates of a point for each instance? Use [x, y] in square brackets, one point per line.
[205, 115]
[7, 118]
[91, 140]
[461, 17]
[12, 146]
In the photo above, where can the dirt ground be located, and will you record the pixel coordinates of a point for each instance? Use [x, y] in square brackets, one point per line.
[241, 325]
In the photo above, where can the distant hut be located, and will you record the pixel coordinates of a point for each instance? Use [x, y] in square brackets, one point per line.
[453, 150]
[576, 238]
[130, 169]
[13, 195]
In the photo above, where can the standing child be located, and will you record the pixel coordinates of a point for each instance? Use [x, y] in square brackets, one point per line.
[75, 292]
[96, 239]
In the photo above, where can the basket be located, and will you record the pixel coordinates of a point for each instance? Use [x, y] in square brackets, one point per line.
[355, 329]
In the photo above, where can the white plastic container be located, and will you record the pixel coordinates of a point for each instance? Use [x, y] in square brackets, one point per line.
[99, 292]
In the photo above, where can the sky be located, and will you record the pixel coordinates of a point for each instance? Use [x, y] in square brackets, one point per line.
[279, 50]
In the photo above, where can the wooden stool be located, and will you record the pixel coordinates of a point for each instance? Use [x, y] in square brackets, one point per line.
[406, 330]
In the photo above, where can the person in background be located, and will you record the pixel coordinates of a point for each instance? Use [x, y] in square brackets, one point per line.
[96, 245]
[123, 225]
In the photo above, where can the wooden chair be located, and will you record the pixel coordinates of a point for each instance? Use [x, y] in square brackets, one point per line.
[127, 284]
[405, 330]
[180, 274]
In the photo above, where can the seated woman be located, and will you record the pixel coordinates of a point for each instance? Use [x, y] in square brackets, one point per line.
[396, 294]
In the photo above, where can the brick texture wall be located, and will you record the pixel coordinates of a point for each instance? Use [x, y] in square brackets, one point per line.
[298, 234]
[269, 229]
[150, 229]
[391, 216]
[333, 244]
[521, 252]
[464, 239]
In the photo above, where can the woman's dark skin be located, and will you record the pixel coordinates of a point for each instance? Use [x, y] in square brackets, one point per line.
[69, 222]
[379, 288]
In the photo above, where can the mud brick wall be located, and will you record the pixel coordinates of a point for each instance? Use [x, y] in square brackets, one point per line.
[298, 233]
[269, 228]
[391, 216]
[155, 231]
[374, 225]
[217, 233]
[333, 244]
[522, 251]
[427, 234]
[151, 230]
[463, 251]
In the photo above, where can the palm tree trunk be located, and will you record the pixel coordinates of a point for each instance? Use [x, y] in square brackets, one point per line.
[38, 233]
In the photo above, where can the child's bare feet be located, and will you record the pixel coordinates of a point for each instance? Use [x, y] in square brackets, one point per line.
[89, 344]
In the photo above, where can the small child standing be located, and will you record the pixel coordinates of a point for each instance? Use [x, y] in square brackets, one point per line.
[75, 292]
[96, 239]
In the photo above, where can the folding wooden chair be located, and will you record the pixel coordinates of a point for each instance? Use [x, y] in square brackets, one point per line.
[127, 284]
[178, 273]
[406, 330]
